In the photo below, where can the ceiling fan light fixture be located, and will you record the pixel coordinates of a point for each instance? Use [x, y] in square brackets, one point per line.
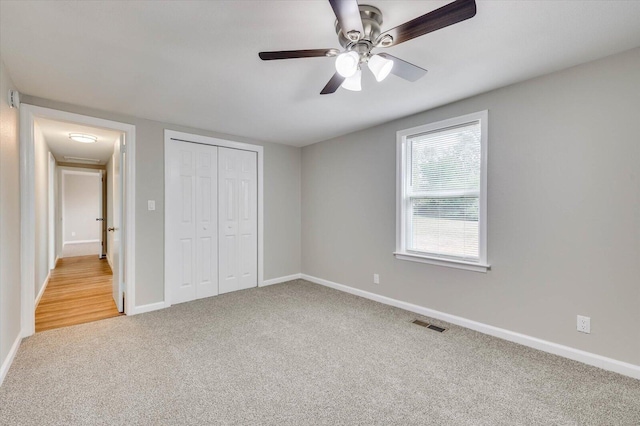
[380, 67]
[358, 27]
[353, 83]
[83, 138]
[347, 63]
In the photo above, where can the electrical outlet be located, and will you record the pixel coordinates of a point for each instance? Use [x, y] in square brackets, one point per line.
[584, 324]
[73, 234]
[376, 279]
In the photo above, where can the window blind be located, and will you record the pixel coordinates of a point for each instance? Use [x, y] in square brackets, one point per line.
[443, 191]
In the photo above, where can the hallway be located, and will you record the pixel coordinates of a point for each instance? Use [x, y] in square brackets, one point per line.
[79, 291]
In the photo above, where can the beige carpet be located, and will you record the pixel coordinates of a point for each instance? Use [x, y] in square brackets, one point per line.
[299, 354]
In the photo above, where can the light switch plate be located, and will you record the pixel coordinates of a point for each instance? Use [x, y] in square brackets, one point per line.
[151, 205]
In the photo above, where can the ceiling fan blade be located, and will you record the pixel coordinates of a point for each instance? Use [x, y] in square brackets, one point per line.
[449, 14]
[293, 54]
[348, 15]
[404, 69]
[333, 84]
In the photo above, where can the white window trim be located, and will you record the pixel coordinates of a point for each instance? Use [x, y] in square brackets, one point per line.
[401, 166]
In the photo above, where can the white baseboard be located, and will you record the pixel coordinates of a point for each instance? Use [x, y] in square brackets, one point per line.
[280, 280]
[9, 359]
[80, 242]
[41, 292]
[161, 305]
[589, 358]
[148, 308]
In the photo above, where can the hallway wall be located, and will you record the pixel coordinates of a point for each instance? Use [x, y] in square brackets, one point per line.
[42, 209]
[9, 224]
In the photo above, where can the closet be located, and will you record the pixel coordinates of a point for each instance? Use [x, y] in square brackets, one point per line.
[211, 226]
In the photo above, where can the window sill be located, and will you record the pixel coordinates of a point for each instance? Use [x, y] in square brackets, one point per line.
[459, 264]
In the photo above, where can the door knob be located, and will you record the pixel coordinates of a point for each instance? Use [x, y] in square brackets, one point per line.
[111, 229]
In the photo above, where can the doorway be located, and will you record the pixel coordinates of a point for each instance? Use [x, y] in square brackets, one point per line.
[82, 216]
[78, 287]
[69, 260]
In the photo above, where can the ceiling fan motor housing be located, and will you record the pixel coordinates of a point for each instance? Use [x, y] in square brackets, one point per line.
[371, 21]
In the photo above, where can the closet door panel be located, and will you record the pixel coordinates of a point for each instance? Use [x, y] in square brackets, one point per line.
[248, 219]
[207, 221]
[237, 174]
[228, 219]
[192, 222]
[181, 234]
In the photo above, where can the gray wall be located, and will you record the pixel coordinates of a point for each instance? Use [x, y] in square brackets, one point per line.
[281, 200]
[9, 220]
[563, 211]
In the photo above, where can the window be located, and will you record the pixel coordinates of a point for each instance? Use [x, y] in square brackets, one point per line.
[441, 197]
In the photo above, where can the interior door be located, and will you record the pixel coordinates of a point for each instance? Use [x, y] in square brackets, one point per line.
[117, 258]
[100, 219]
[238, 219]
[191, 196]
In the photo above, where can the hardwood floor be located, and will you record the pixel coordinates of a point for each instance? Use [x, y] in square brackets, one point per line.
[79, 291]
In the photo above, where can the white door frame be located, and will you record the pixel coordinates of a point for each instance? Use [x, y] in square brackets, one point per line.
[51, 211]
[206, 140]
[28, 114]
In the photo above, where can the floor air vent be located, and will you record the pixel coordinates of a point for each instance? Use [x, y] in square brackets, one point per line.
[429, 326]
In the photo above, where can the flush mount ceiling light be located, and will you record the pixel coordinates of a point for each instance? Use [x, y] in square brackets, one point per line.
[81, 159]
[83, 138]
[358, 27]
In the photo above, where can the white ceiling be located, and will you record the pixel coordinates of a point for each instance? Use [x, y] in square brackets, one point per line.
[196, 63]
[56, 134]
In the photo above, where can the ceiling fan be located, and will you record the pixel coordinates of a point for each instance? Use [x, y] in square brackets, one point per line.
[358, 30]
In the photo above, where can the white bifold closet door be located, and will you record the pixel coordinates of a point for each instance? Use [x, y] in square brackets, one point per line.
[238, 219]
[192, 208]
[211, 220]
